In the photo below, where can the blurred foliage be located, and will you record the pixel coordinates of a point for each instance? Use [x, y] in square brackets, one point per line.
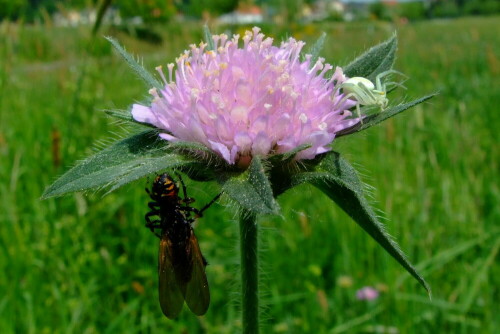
[151, 11]
[289, 11]
[29, 10]
[379, 11]
[454, 8]
[418, 10]
[199, 8]
[12, 9]
[445, 9]
[412, 10]
[481, 7]
[286, 11]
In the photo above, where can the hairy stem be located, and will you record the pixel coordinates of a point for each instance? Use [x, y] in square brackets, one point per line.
[249, 273]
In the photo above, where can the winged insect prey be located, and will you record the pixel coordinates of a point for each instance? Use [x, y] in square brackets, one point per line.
[181, 265]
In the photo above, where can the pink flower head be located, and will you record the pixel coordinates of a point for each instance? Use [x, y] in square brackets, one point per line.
[367, 293]
[253, 99]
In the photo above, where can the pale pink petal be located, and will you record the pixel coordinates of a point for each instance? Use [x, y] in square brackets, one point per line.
[144, 114]
[168, 137]
[222, 150]
[261, 144]
[244, 141]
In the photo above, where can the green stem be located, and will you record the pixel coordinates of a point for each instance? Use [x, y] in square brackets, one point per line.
[249, 273]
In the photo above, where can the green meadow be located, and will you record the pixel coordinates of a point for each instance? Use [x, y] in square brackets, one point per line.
[84, 263]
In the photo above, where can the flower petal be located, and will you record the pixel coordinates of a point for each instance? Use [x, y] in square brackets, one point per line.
[222, 150]
[144, 114]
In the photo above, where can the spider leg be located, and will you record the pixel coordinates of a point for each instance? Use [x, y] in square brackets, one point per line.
[369, 97]
[378, 78]
[393, 85]
[344, 99]
[389, 72]
[347, 97]
[373, 97]
[358, 111]
[378, 81]
[365, 95]
[335, 90]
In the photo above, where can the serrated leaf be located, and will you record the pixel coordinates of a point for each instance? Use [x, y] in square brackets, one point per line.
[374, 119]
[121, 163]
[208, 38]
[121, 115]
[378, 59]
[316, 48]
[251, 189]
[148, 166]
[145, 75]
[339, 181]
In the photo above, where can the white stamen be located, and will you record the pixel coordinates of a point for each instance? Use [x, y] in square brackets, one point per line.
[303, 118]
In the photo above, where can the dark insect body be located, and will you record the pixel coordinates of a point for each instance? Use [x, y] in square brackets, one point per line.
[181, 266]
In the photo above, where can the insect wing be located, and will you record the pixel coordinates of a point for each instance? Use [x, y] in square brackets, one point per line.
[171, 297]
[197, 293]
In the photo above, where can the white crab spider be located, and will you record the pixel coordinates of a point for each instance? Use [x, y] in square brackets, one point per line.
[366, 93]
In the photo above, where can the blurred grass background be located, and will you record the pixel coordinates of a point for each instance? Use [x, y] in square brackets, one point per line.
[86, 264]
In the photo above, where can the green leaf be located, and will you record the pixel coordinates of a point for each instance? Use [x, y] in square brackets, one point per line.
[251, 189]
[208, 38]
[126, 116]
[121, 115]
[286, 157]
[378, 59]
[147, 166]
[145, 75]
[339, 181]
[199, 151]
[316, 48]
[374, 119]
[123, 162]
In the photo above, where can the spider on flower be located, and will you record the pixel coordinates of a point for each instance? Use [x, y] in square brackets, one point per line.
[367, 93]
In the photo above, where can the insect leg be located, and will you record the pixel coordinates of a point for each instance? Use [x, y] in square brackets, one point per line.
[154, 206]
[151, 214]
[152, 224]
[199, 213]
[186, 200]
[210, 203]
[189, 209]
